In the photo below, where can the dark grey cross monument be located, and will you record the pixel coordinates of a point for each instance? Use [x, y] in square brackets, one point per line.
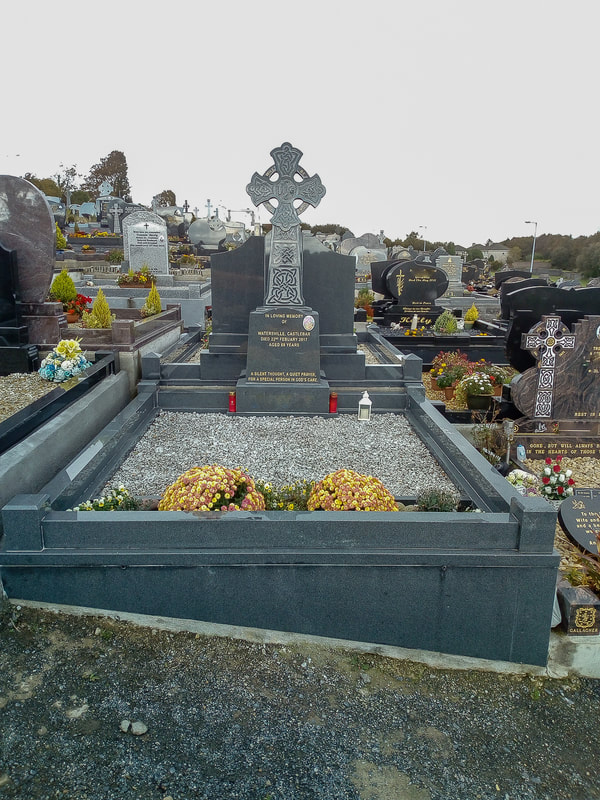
[284, 269]
[283, 365]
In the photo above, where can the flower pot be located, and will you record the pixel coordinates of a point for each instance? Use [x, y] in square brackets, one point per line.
[479, 402]
[73, 316]
[468, 325]
[434, 385]
[497, 390]
[449, 392]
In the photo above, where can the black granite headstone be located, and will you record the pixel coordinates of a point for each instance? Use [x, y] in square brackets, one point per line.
[527, 306]
[579, 517]
[409, 288]
[507, 274]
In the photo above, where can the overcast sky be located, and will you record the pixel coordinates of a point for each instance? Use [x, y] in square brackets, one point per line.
[465, 116]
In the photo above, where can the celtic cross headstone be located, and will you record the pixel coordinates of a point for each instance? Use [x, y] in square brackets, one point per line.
[116, 211]
[546, 341]
[283, 362]
[284, 270]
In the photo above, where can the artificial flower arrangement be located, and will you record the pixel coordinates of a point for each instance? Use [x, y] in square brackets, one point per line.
[64, 362]
[347, 490]
[212, 488]
[557, 483]
[78, 305]
[524, 482]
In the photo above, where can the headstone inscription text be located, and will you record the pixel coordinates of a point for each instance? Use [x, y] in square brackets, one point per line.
[283, 348]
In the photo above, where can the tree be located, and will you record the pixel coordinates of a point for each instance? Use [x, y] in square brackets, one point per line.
[588, 261]
[80, 196]
[46, 185]
[514, 254]
[112, 168]
[166, 198]
[473, 253]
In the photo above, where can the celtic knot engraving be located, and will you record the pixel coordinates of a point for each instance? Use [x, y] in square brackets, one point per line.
[547, 340]
[286, 191]
[284, 290]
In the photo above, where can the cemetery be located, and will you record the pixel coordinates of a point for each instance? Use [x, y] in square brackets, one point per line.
[285, 345]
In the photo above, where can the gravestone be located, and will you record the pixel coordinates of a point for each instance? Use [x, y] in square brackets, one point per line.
[365, 256]
[152, 239]
[28, 231]
[283, 368]
[238, 283]
[409, 288]
[452, 266]
[579, 517]
[560, 396]
[148, 246]
[513, 285]
[473, 273]
[527, 306]
[114, 212]
[207, 235]
[369, 240]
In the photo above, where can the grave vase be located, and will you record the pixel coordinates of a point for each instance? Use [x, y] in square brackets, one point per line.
[449, 392]
[72, 316]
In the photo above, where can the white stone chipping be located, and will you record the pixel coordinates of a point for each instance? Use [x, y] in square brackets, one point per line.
[280, 450]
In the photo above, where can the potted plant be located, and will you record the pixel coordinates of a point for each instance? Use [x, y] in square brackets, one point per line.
[446, 323]
[476, 389]
[497, 376]
[471, 316]
[449, 379]
[75, 308]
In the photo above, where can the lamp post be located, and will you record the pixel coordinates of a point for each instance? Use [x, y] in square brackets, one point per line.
[423, 227]
[531, 222]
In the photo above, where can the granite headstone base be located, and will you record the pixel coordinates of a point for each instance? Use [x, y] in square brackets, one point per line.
[553, 438]
[282, 398]
[46, 322]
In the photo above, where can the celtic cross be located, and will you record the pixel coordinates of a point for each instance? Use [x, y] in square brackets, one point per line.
[284, 272]
[547, 340]
[116, 212]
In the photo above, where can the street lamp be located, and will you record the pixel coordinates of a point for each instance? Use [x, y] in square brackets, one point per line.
[531, 222]
[423, 227]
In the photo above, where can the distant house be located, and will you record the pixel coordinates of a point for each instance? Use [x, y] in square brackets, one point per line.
[499, 252]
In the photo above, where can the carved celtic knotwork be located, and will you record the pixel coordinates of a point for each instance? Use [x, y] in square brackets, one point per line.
[547, 340]
[286, 191]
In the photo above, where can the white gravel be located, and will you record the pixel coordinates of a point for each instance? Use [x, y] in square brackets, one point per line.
[280, 450]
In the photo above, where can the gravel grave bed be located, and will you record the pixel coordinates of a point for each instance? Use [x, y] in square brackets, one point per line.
[281, 450]
[19, 390]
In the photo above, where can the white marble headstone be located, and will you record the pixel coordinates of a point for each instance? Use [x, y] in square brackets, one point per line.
[145, 241]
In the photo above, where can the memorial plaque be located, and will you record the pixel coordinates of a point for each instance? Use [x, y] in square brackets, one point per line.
[148, 246]
[283, 347]
[579, 517]
[580, 610]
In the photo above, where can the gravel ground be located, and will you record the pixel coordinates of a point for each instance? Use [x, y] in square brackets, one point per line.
[280, 450]
[19, 390]
[220, 718]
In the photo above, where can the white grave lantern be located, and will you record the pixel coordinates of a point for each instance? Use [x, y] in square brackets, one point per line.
[364, 408]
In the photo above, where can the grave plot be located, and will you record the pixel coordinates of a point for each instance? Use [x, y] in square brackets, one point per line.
[479, 584]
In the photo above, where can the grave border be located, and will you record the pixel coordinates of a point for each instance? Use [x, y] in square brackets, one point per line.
[476, 584]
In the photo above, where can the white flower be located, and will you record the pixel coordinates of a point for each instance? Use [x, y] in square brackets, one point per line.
[568, 473]
[66, 364]
[548, 490]
[547, 471]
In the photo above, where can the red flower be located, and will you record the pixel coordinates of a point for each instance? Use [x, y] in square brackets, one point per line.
[548, 460]
[560, 489]
[559, 458]
[570, 481]
[545, 479]
[556, 468]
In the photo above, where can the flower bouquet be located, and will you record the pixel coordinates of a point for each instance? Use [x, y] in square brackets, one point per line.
[524, 482]
[557, 483]
[64, 362]
[212, 488]
[346, 490]
[78, 305]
